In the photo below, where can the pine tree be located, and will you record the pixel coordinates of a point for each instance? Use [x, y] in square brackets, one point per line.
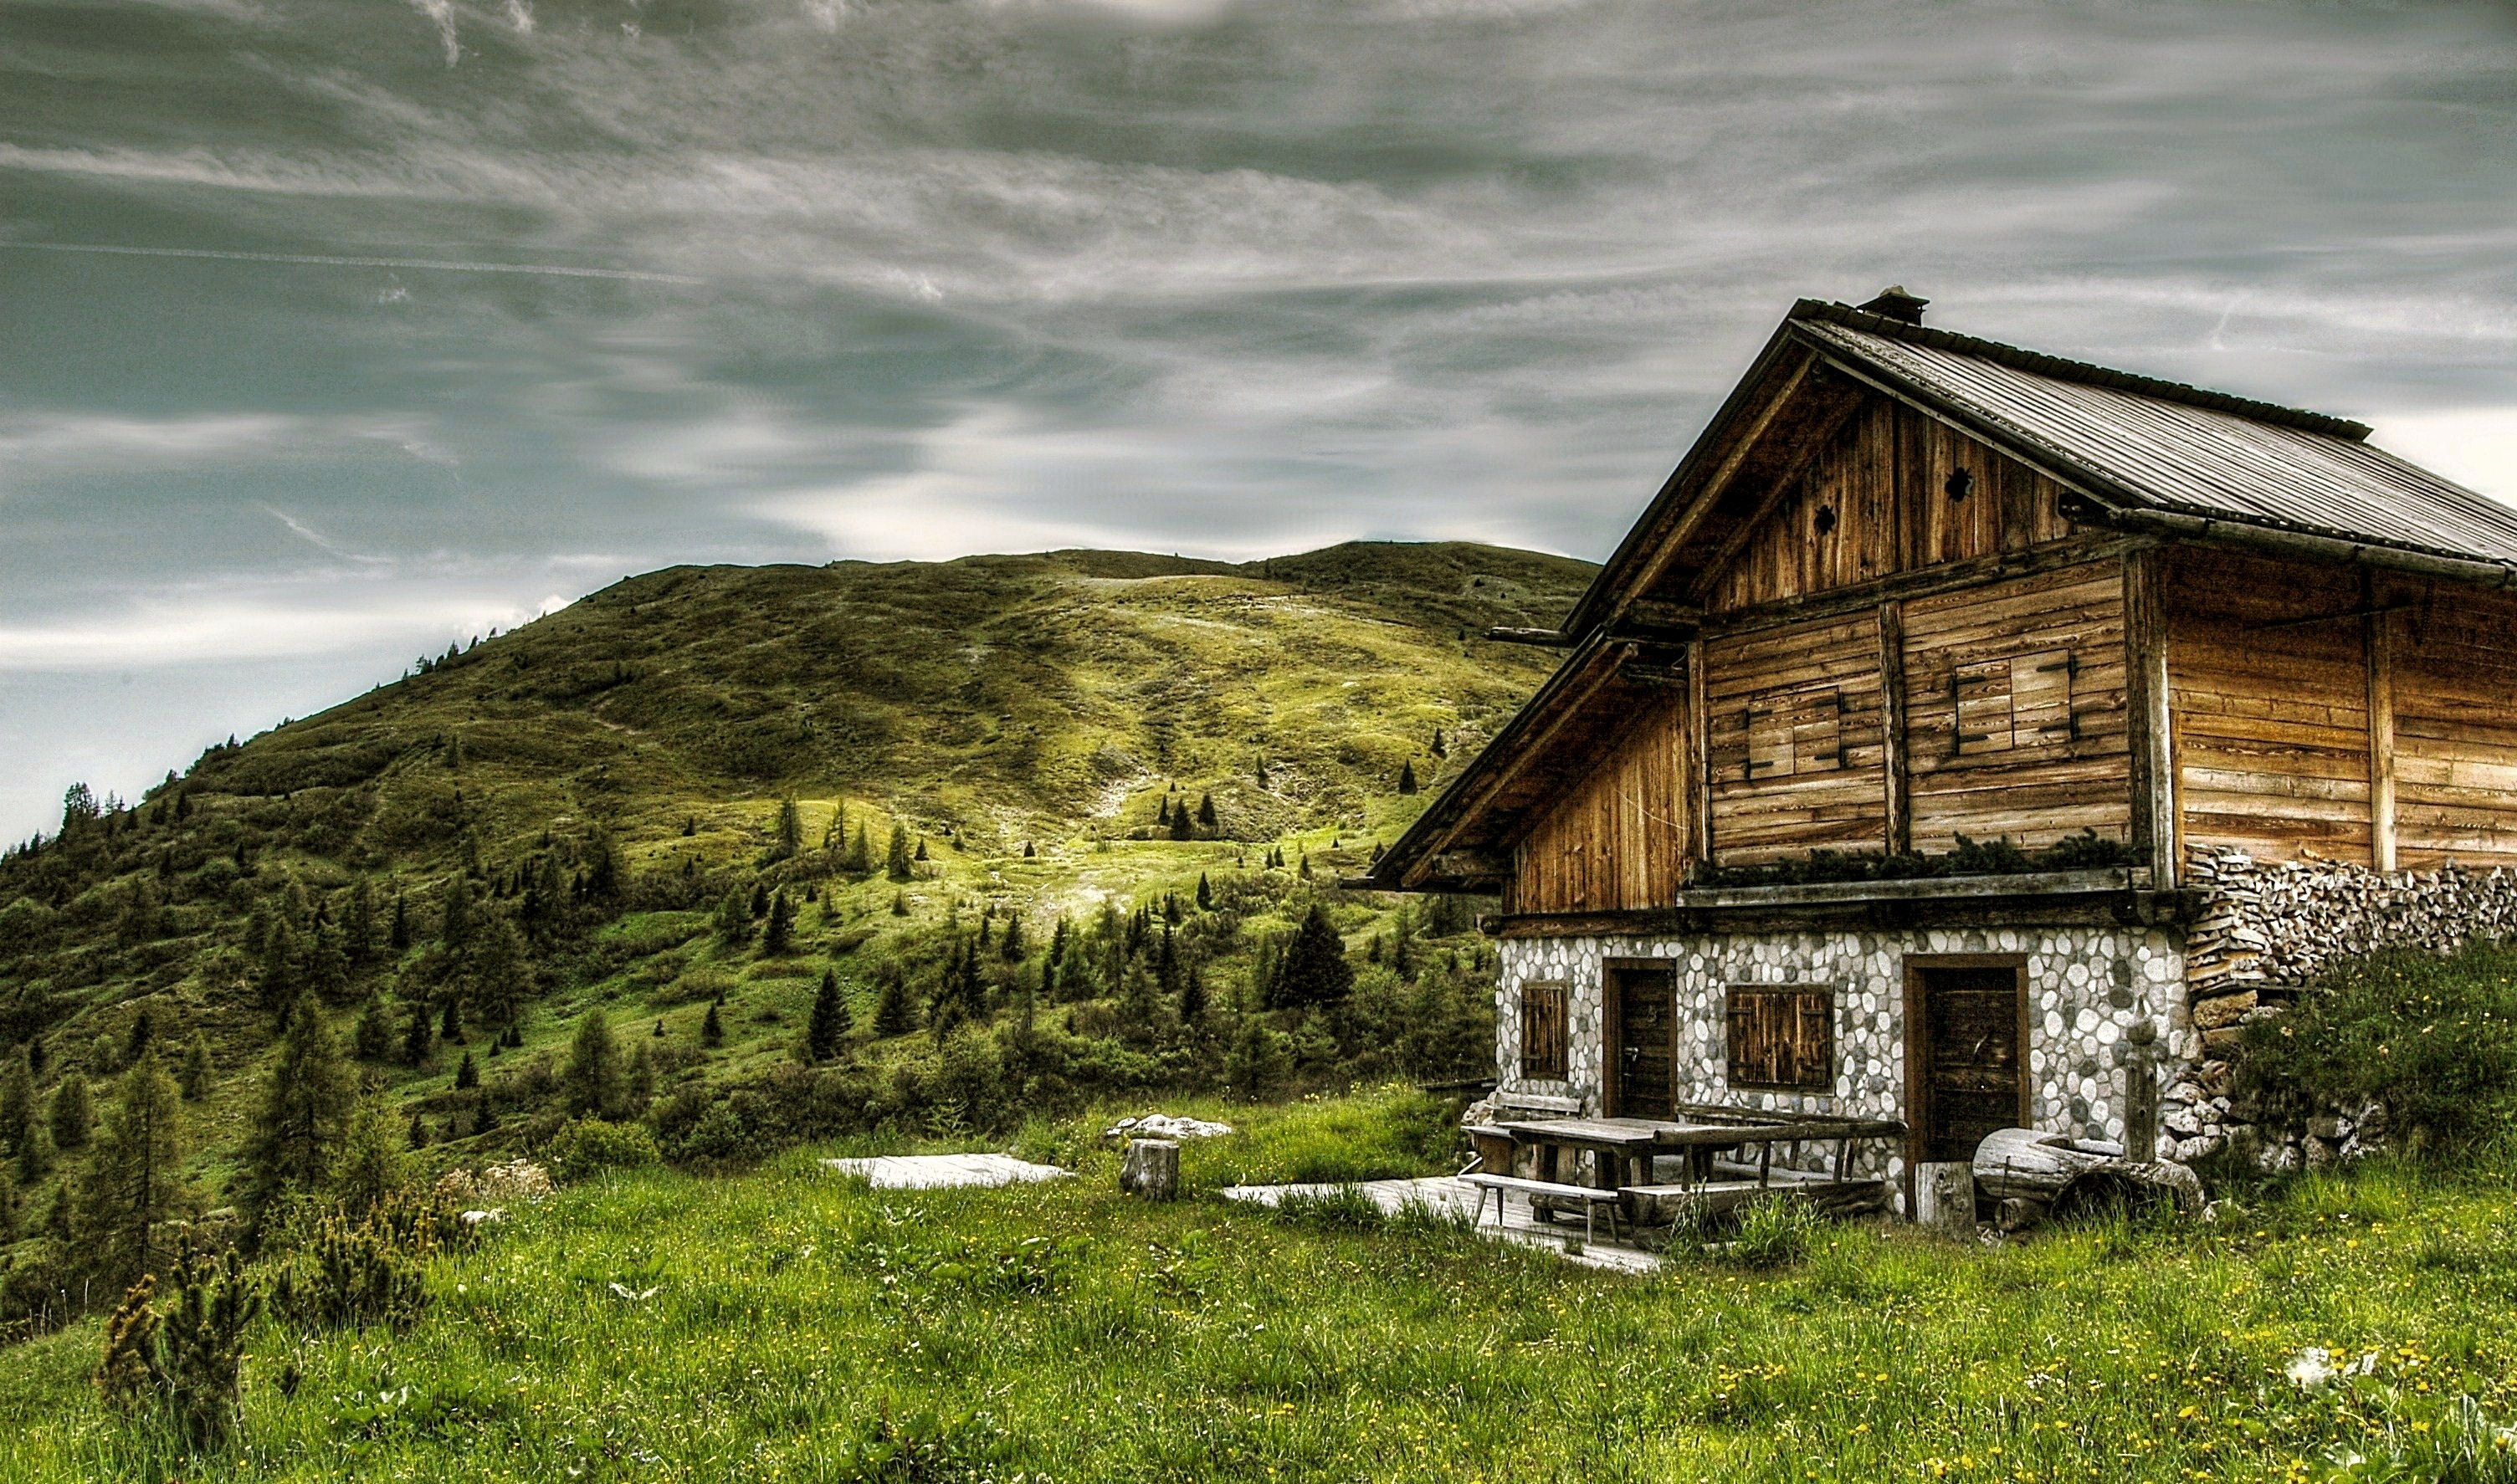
[791, 827]
[418, 1136]
[759, 904]
[498, 979]
[449, 1026]
[455, 927]
[1206, 815]
[1205, 894]
[192, 1078]
[1407, 777]
[17, 1098]
[1314, 970]
[639, 1082]
[860, 861]
[592, 1086]
[1440, 747]
[921, 853]
[896, 862]
[467, 1075]
[72, 1114]
[1163, 812]
[899, 904]
[780, 935]
[1012, 948]
[1192, 998]
[830, 1022]
[1182, 827]
[306, 1104]
[397, 937]
[892, 1012]
[134, 1182]
[35, 1151]
[712, 1030]
[417, 1039]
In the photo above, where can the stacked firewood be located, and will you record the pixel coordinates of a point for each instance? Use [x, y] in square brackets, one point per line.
[2271, 926]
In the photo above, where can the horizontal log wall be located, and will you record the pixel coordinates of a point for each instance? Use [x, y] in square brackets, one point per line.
[1793, 719]
[1876, 502]
[1615, 839]
[2270, 712]
[2015, 709]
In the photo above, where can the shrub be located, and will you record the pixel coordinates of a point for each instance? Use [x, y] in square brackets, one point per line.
[1776, 1232]
[352, 1274]
[185, 1362]
[587, 1147]
[2431, 1040]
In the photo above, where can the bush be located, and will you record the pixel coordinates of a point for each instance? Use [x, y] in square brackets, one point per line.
[184, 1362]
[2431, 1040]
[587, 1147]
[1776, 1232]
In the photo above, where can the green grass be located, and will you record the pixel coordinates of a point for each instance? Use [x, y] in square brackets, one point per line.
[803, 1327]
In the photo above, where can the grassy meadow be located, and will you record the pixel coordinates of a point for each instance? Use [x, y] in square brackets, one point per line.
[790, 1324]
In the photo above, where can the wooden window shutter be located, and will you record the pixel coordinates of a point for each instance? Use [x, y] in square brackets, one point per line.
[1783, 1036]
[2040, 697]
[1980, 694]
[1801, 731]
[1543, 1029]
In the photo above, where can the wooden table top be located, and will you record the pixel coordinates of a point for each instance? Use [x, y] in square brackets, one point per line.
[1663, 1133]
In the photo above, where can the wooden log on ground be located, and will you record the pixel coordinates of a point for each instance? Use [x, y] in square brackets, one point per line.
[1151, 1169]
[2043, 1171]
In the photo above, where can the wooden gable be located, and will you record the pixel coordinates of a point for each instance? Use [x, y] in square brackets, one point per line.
[1892, 490]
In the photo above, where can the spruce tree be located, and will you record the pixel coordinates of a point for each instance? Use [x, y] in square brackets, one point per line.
[830, 1022]
[397, 937]
[1182, 827]
[1206, 815]
[759, 904]
[896, 862]
[712, 1030]
[639, 1082]
[449, 1026]
[920, 854]
[892, 1013]
[1192, 998]
[734, 919]
[134, 1182]
[72, 1114]
[372, 1038]
[35, 1151]
[1011, 951]
[1163, 812]
[307, 1099]
[1205, 894]
[780, 935]
[860, 861]
[592, 1085]
[1407, 777]
[417, 1039]
[791, 827]
[455, 927]
[17, 1098]
[899, 904]
[1314, 970]
[467, 1075]
[142, 1034]
[374, 1161]
[359, 923]
[1440, 747]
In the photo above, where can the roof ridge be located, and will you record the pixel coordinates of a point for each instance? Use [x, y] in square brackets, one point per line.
[2063, 368]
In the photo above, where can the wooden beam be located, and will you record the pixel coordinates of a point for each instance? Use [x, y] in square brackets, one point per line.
[2149, 719]
[1700, 504]
[1892, 726]
[1604, 669]
[1949, 576]
[1785, 479]
[2377, 640]
[1698, 782]
[1543, 638]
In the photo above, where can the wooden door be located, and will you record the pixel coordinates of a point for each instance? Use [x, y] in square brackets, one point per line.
[1966, 1052]
[1643, 1041]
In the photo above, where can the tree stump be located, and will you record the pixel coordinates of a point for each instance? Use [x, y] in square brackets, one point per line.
[1151, 1169]
[2043, 1171]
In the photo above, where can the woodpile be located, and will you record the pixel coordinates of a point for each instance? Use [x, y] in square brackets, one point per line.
[2268, 927]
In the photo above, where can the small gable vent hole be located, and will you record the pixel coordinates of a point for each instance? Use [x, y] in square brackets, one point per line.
[1826, 520]
[1960, 485]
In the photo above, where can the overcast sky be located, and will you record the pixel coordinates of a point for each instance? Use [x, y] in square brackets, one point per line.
[335, 330]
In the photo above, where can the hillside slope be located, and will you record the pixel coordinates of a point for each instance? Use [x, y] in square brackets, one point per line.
[586, 813]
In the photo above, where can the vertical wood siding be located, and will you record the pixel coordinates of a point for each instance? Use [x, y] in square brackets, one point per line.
[1875, 503]
[1615, 838]
[2015, 709]
[2271, 715]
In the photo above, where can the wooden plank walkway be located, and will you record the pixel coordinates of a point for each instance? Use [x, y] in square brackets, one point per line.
[940, 1171]
[1445, 1195]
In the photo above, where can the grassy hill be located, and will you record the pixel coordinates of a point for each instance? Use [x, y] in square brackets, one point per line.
[598, 787]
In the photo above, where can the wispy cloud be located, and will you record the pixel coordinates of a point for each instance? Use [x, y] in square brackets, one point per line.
[333, 260]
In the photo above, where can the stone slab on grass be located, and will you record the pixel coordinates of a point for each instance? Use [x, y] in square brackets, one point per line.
[944, 1172]
[1447, 1195]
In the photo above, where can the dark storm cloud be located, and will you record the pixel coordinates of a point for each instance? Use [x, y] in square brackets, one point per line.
[421, 314]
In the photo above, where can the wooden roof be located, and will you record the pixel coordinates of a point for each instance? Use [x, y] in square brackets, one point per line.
[2141, 453]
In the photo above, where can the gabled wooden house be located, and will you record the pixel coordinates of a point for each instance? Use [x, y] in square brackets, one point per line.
[1865, 780]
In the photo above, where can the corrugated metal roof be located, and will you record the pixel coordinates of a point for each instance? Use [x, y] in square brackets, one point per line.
[2172, 448]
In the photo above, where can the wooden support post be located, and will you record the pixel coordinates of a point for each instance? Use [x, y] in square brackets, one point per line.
[1892, 726]
[2145, 700]
[1699, 784]
[2377, 633]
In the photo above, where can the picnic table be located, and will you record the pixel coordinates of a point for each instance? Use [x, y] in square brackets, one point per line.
[1622, 1149]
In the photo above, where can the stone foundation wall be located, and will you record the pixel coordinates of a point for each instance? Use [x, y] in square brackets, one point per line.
[2270, 926]
[2088, 987]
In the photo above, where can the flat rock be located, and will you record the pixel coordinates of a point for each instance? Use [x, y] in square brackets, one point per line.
[940, 1171]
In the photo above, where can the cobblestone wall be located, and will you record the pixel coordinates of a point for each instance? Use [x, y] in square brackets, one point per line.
[2086, 989]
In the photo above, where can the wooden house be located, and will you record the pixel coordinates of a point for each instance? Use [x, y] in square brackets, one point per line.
[1865, 780]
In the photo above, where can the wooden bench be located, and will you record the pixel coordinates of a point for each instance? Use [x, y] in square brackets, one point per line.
[1590, 1200]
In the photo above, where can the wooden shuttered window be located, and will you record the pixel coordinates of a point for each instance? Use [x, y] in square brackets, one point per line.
[2022, 702]
[1543, 1031]
[1795, 734]
[1783, 1036]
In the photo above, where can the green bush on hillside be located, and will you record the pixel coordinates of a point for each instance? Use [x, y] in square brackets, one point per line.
[2430, 1040]
[587, 1147]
